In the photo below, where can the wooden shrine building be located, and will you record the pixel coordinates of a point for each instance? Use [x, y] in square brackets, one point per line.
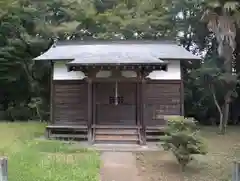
[114, 91]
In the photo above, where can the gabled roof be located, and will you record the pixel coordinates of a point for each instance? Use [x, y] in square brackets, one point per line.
[114, 52]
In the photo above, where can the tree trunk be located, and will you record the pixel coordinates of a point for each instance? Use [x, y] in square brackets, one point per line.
[226, 111]
[221, 130]
[227, 97]
[221, 121]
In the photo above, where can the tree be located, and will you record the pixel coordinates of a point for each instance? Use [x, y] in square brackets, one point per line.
[223, 19]
[21, 40]
[182, 140]
[136, 19]
[28, 27]
[216, 83]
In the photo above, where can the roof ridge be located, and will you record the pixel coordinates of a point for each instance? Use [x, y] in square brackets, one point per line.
[107, 42]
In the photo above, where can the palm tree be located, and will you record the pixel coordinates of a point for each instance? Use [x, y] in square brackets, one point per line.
[223, 20]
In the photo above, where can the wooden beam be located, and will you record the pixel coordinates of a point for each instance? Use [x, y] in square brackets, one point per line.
[90, 111]
[149, 67]
[121, 79]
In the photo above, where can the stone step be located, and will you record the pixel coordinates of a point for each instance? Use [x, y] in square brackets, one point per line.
[115, 127]
[116, 131]
[116, 138]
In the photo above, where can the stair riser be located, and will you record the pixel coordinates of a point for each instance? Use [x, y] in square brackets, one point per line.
[111, 137]
[154, 135]
[115, 133]
[115, 142]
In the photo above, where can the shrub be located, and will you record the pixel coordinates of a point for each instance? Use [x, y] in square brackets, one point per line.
[183, 139]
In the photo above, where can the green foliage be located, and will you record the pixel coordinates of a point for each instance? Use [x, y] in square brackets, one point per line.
[28, 27]
[19, 44]
[18, 112]
[211, 73]
[211, 77]
[182, 139]
[179, 124]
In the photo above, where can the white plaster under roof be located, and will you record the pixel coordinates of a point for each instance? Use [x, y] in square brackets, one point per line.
[173, 72]
[60, 72]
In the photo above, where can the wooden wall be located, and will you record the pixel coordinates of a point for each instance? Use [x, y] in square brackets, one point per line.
[161, 98]
[70, 102]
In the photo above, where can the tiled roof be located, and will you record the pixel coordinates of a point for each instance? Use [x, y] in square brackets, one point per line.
[117, 52]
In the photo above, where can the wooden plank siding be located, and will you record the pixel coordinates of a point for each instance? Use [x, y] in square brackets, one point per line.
[70, 102]
[162, 97]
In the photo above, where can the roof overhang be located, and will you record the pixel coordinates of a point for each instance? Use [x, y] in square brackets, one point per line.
[122, 53]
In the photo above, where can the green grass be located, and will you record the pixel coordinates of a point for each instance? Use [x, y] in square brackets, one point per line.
[41, 160]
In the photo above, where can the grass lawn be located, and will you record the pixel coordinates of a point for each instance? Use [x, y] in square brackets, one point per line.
[40, 160]
[215, 166]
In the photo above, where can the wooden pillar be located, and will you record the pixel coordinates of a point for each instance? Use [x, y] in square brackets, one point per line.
[52, 94]
[182, 98]
[93, 111]
[142, 106]
[90, 110]
[138, 101]
[182, 90]
[94, 103]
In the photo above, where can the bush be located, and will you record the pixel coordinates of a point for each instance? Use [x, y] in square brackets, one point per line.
[183, 139]
[18, 112]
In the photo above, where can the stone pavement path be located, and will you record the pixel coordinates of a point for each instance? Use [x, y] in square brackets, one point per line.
[119, 166]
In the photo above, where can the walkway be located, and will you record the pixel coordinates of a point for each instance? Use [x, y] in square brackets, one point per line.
[119, 166]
